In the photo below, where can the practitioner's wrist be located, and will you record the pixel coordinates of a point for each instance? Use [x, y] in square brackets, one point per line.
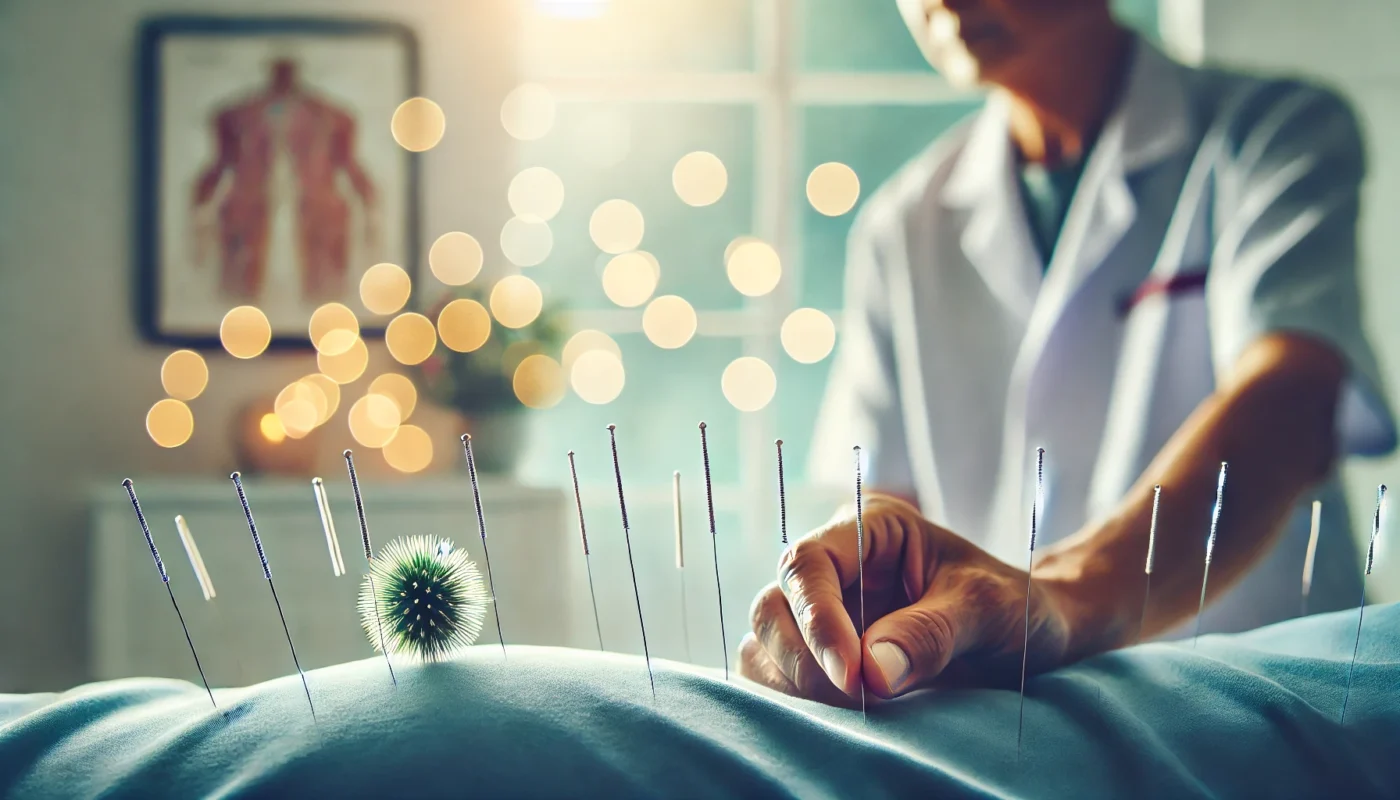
[1089, 597]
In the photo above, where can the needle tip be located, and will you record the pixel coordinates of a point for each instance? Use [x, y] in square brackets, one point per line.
[466, 437]
[235, 475]
[570, 454]
[778, 442]
[612, 427]
[702, 425]
[318, 481]
[676, 474]
[856, 449]
[126, 482]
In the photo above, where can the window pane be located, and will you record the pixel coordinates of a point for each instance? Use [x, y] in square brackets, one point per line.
[688, 242]
[1140, 15]
[861, 35]
[800, 390]
[874, 141]
[667, 394]
[563, 37]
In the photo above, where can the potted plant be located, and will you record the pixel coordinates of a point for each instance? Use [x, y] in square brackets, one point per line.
[479, 384]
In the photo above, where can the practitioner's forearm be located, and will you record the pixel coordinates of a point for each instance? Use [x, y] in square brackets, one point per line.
[1273, 422]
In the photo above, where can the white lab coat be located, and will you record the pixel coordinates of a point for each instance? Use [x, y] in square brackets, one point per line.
[958, 358]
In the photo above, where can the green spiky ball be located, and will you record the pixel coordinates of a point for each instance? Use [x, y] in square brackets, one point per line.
[428, 599]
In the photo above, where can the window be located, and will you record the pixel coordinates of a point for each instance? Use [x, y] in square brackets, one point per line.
[773, 88]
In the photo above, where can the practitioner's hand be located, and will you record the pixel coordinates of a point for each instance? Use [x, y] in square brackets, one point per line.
[939, 611]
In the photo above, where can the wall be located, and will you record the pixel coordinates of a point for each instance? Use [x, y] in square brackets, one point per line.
[77, 379]
[1350, 45]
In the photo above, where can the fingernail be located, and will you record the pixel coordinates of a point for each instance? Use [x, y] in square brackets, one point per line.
[892, 661]
[835, 667]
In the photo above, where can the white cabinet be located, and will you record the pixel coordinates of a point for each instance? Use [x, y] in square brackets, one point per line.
[534, 558]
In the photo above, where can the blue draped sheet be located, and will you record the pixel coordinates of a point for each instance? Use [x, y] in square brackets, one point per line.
[1251, 715]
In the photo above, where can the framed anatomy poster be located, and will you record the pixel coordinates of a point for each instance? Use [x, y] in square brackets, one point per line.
[268, 175]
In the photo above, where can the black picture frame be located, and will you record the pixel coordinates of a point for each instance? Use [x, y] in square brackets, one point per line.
[154, 32]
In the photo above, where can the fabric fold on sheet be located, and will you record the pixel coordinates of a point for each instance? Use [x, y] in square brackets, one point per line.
[1250, 715]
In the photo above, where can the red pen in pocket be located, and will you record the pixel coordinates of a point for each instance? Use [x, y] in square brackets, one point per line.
[1181, 283]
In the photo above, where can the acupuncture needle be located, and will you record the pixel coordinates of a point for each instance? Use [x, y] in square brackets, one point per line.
[627, 535]
[1361, 608]
[1210, 548]
[267, 573]
[323, 506]
[165, 579]
[680, 557]
[1309, 559]
[369, 555]
[1151, 549]
[587, 559]
[860, 573]
[714, 543]
[481, 524]
[1036, 506]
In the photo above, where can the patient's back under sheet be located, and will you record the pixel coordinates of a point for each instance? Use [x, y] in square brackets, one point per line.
[1252, 715]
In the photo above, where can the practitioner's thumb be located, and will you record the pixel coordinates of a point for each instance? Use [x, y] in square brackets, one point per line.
[911, 646]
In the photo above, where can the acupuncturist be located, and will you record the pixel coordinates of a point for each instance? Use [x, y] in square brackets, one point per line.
[1146, 269]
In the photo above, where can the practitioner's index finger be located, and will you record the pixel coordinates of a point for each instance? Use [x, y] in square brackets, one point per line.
[812, 574]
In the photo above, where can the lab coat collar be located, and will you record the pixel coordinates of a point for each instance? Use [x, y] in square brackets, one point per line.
[1152, 119]
[1151, 122]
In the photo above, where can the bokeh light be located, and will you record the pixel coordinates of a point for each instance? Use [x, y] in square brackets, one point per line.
[669, 321]
[808, 335]
[374, 419]
[526, 241]
[584, 341]
[455, 258]
[736, 243]
[528, 112]
[463, 325]
[337, 342]
[329, 390]
[333, 328]
[184, 375]
[833, 188]
[398, 388]
[385, 288]
[598, 377]
[169, 423]
[652, 262]
[536, 192]
[418, 124]
[245, 332]
[411, 449]
[749, 383]
[346, 367]
[516, 301]
[629, 279]
[411, 338]
[754, 268]
[699, 178]
[271, 428]
[300, 407]
[298, 418]
[602, 138]
[616, 226]
[539, 382]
